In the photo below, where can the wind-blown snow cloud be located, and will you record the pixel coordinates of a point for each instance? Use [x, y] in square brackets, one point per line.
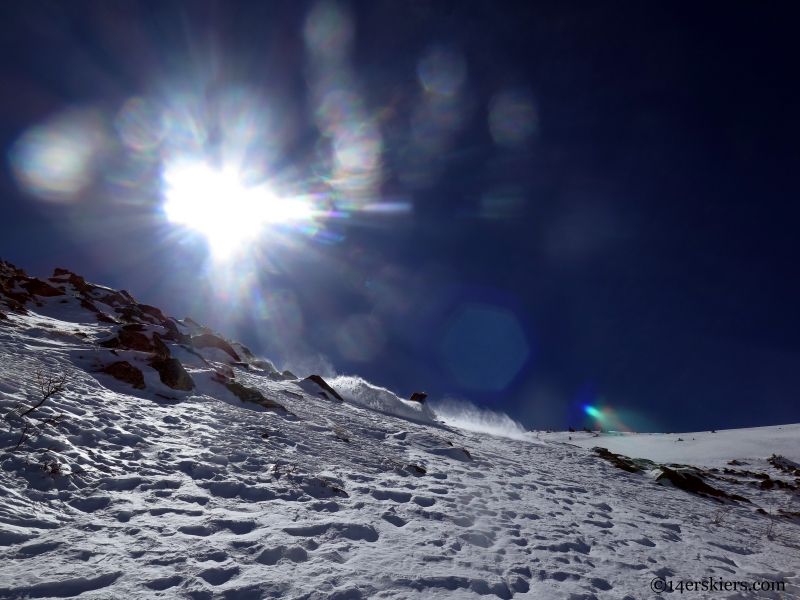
[359, 391]
[312, 364]
[465, 415]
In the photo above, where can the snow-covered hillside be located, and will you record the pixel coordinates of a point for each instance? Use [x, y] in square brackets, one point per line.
[172, 463]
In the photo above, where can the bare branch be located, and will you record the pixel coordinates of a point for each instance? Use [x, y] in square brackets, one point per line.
[53, 421]
[49, 386]
[22, 438]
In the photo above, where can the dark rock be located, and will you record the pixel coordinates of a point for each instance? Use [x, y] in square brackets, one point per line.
[324, 385]
[246, 394]
[175, 334]
[172, 373]
[114, 299]
[131, 337]
[76, 281]
[170, 324]
[623, 462]
[692, 483]
[131, 314]
[161, 348]
[112, 343]
[783, 464]
[191, 350]
[135, 340]
[127, 373]
[16, 307]
[418, 397]
[153, 312]
[89, 306]
[208, 340]
[42, 288]
[247, 352]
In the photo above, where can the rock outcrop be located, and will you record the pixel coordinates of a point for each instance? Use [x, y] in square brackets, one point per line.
[208, 340]
[127, 373]
[246, 394]
[320, 383]
[172, 373]
[140, 328]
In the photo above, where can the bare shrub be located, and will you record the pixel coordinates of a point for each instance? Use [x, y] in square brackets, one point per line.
[721, 513]
[49, 386]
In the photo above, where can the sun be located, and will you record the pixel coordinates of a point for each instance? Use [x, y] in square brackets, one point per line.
[217, 204]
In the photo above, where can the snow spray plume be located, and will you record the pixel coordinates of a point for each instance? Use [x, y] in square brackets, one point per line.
[358, 391]
[465, 415]
[303, 366]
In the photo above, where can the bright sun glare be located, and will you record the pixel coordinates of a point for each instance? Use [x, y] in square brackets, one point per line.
[217, 204]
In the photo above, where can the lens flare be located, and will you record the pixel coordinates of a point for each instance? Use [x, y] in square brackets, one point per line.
[361, 338]
[443, 70]
[329, 31]
[593, 412]
[606, 418]
[217, 204]
[139, 125]
[512, 118]
[485, 347]
[54, 161]
[348, 127]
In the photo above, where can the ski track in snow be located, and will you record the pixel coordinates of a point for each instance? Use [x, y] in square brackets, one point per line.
[208, 497]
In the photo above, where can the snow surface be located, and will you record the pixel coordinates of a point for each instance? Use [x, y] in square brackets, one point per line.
[700, 448]
[162, 493]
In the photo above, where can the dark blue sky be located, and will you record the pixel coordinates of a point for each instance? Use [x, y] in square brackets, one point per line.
[627, 238]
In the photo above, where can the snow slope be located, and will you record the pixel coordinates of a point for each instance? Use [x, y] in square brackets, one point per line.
[701, 448]
[158, 492]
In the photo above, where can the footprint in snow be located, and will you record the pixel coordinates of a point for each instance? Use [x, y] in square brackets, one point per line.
[351, 531]
[91, 504]
[32, 550]
[218, 576]
[198, 530]
[164, 583]
[217, 556]
[391, 495]
[272, 556]
[393, 519]
[645, 542]
[202, 500]
[325, 507]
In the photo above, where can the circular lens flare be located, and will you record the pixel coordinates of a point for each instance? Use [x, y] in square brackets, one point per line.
[593, 412]
[215, 203]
